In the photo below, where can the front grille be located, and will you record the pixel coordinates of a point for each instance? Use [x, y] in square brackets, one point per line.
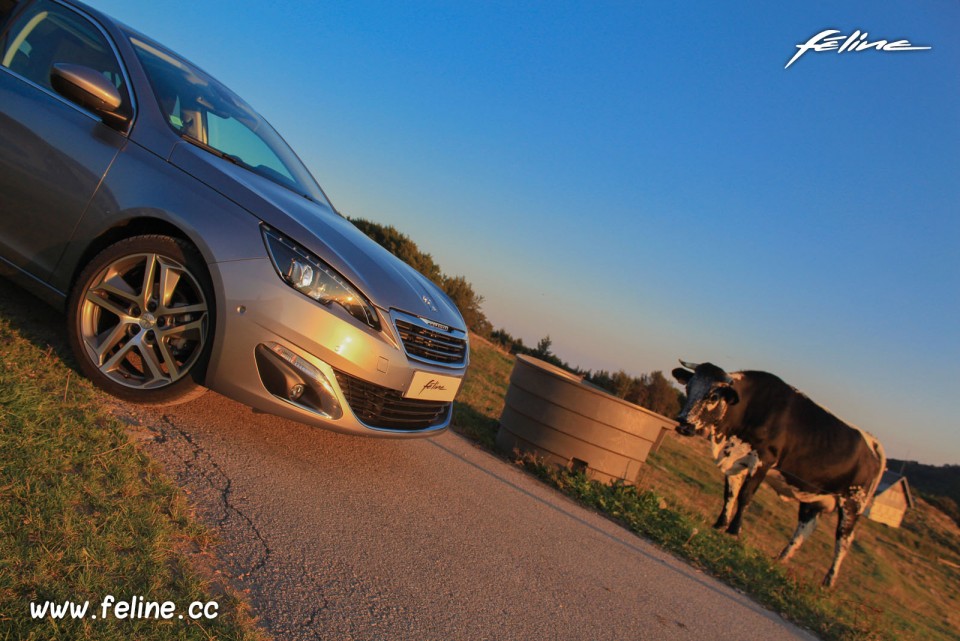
[431, 345]
[385, 408]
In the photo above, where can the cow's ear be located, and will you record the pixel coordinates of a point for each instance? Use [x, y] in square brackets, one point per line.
[729, 394]
[682, 375]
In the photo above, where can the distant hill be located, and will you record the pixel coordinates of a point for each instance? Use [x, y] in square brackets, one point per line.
[939, 484]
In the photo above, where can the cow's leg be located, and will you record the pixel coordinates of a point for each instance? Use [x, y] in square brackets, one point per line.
[848, 513]
[731, 489]
[806, 524]
[750, 485]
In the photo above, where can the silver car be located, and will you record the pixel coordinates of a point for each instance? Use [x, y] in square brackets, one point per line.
[191, 248]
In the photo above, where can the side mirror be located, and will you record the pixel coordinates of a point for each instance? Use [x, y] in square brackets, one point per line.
[90, 89]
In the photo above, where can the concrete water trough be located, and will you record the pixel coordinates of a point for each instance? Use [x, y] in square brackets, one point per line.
[555, 415]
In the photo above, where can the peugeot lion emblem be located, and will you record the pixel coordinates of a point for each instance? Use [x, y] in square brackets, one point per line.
[429, 303]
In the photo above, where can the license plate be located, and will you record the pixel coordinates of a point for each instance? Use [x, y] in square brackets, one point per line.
[432, 387]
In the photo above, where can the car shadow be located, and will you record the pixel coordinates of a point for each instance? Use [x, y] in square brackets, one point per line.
[36, 321]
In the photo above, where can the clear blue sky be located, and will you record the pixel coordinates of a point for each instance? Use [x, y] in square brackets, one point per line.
[645, 181]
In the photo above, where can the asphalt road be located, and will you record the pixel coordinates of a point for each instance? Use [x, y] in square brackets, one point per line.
[340, 537]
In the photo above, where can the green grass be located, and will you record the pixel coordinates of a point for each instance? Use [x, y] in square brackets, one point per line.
[893, 585]
[479, 403]
[84, 513]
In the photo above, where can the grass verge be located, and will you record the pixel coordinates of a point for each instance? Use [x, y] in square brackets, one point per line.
[85, 514]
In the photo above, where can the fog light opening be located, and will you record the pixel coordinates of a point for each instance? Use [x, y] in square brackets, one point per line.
[294, 380]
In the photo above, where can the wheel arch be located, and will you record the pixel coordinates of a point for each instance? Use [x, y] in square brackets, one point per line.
[128, 228]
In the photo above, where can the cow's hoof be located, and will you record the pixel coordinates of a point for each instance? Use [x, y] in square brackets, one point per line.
[720, 524]
[733, 530]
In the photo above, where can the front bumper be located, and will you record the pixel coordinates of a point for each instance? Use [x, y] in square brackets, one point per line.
[364, 372]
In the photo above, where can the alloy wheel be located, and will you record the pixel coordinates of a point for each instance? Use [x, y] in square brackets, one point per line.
[143, 321]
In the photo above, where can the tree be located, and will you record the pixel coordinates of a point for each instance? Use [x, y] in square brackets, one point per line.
[401, 246]
[602, 379]
[468, 302]
[659, 394]
[623, 383]
[542, 350]
[653, 391]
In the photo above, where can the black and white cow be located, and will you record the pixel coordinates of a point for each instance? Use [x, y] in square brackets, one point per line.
[761, 428]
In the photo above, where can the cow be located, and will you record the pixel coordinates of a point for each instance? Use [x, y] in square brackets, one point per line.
[760, 428]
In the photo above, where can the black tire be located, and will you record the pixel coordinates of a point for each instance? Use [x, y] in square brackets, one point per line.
[140, 320]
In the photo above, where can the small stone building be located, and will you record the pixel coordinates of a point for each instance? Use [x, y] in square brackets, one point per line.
[892, 499]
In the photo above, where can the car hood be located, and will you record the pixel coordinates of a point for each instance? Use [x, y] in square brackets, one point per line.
[385, 279]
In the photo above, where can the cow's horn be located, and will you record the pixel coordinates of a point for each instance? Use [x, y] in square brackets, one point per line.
[689, 365]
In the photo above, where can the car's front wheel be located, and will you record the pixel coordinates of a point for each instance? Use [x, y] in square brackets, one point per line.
[141, 319]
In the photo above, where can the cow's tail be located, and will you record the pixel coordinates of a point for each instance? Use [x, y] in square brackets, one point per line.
[882, 458]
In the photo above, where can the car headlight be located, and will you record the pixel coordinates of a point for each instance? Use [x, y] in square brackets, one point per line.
[310, 276]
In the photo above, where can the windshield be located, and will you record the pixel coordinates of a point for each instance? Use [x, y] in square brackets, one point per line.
[206, 113]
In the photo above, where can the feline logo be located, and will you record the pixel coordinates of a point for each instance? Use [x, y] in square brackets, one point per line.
[857, 41]
[433, 384]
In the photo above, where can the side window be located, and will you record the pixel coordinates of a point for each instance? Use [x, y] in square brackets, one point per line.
[49, 34]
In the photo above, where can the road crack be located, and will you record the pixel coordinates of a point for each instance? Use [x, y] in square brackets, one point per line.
[199, 465]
